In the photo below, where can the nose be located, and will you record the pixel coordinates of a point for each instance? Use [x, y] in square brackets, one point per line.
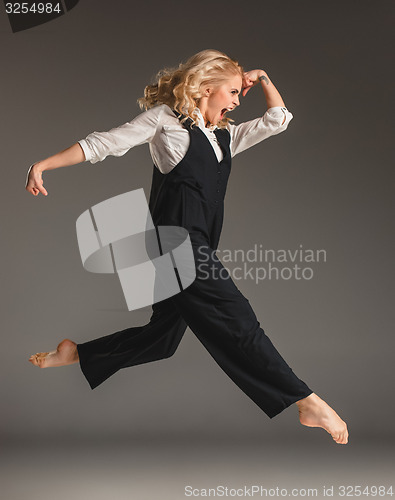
[236, 101]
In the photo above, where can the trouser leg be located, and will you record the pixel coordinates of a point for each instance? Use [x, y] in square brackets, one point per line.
[100, 358]
[223, 320]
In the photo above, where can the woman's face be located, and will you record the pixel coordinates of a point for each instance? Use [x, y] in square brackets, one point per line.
[218, 100]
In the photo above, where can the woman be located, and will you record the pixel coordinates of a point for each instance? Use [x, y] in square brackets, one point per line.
[191, 142]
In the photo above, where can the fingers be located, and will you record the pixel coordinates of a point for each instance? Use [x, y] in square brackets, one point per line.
[36, 189]
[42, 190]
[248, 83]
[31, 189]
[246, 89]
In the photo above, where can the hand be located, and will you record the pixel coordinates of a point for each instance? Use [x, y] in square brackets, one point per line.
[34, 181]
[251, 78]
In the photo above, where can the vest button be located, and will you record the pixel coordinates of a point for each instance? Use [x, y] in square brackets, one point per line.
[217, 190]
[219, 171]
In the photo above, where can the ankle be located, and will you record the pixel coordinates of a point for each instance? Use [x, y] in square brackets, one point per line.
[308, 400]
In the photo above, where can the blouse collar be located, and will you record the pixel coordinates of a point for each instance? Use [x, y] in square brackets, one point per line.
[201, 123]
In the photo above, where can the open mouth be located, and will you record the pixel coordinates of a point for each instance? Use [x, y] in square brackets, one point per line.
[223, 111]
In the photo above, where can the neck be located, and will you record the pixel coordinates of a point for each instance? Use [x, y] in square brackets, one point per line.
[206, 122]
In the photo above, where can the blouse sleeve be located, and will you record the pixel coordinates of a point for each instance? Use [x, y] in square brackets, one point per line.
[247, 134]
[118, 141]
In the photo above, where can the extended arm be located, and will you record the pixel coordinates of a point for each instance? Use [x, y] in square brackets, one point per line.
[97, 146]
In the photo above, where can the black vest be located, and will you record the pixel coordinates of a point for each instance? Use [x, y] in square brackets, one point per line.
[192, 194]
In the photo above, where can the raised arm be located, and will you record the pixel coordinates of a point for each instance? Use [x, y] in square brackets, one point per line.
[274, 121]
[272, 95]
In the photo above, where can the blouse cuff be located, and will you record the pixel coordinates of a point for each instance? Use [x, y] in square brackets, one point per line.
[277, 114]
[85, 148]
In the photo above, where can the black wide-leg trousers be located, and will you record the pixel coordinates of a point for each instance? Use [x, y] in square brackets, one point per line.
[224, 322]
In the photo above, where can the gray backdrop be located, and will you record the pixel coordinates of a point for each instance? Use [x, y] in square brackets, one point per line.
[325, 183]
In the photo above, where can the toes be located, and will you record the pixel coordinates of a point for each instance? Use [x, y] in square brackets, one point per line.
[38, 359]
[345, 435]
[33, 360]
[340, 438]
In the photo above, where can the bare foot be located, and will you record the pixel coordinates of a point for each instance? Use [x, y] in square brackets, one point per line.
[314, 412]
[65, 354]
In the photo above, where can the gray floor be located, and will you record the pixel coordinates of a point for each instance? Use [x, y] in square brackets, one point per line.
[147, 469]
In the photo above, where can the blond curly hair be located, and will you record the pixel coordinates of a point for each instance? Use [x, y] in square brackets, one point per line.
[181, 88]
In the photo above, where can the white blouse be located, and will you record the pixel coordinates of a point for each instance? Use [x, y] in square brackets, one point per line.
[169, 140]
